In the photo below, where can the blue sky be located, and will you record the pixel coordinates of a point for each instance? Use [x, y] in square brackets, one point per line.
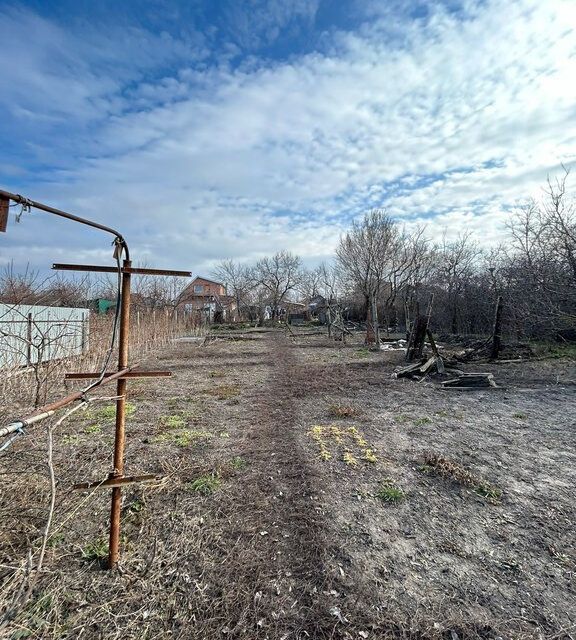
[215, 129]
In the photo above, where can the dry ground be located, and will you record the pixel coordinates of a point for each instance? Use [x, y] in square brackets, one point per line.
[307, 494]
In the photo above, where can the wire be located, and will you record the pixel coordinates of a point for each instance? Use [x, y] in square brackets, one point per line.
[119, 248]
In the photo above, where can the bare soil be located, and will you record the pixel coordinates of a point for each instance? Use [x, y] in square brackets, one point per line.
[297, 502]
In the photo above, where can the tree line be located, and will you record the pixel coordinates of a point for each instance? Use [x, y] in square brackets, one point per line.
[384, 275]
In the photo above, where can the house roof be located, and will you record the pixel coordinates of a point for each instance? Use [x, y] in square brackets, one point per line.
[207, 280]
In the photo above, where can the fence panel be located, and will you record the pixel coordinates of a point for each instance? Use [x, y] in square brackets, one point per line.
[30, 334]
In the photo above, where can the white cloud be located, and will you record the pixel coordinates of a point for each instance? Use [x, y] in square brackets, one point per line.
[449, 119]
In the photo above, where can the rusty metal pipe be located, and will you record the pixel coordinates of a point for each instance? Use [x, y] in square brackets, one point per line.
[49, 409]
[120, 434]
[64, 214]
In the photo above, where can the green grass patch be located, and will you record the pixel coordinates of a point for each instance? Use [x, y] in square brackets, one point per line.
[238, 463]
[363, 353]
[184, 438]
[389, 492]
[422, 421]
[96, 550]
[173, 422]
[206, 484]
[93, 428]
[554, 349]
[108, 412]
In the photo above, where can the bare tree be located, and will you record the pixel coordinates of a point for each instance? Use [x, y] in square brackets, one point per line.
[367, 255]
[457, 263]
[238, 280]
[277, 276]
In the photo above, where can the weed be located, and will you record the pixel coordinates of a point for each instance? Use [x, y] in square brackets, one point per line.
[217, 374]
[342, 437]
[363, 353]
[109, 412]
[173, 422]
[554, 349]
[435, 464]
[135, 506]
[402, 418]
[369, 456]
[349, 459]
[488, 491]
[224, 392]
[56, 539]
[184, 438]
[389, 492]
[93, 428]
[96, 550]
[206, 484]
[238, 463]
[223, 434]
[341, 411]
[421, 421]
[519, 415]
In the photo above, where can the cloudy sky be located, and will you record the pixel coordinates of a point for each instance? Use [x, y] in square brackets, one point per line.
[211, 129]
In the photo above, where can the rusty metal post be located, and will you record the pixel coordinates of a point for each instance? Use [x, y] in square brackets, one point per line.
[120, 435]
[29, 340]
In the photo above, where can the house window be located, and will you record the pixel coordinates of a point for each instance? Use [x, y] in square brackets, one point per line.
[197, 288]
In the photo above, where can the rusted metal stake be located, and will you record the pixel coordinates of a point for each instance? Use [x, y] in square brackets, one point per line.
[120, 435]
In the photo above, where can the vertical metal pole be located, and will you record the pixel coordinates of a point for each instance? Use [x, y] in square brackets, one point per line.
[29, 340]
[120, 435]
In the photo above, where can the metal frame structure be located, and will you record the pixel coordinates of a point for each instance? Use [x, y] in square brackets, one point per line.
[116, 479]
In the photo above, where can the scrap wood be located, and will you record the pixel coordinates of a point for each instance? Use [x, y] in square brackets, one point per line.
[434, 347]
[471, 380]
[418, 369]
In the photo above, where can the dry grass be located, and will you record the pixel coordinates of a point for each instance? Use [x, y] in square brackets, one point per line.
[342, 411]
[435, 464]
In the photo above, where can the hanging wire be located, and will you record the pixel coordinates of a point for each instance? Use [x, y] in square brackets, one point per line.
[118, 250]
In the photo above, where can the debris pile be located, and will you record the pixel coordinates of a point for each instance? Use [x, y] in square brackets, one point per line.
[470, 381]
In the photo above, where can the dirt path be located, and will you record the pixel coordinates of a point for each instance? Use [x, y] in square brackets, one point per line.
[277, 507]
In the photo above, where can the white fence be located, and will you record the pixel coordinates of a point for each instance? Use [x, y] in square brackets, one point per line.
[30, 334]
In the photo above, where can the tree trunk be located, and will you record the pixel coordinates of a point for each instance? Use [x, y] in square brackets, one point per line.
[497, 330]
[372, 329]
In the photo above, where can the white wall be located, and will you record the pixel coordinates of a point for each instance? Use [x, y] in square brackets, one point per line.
[29, 333]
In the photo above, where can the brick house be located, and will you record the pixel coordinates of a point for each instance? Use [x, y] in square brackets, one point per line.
[208, 299]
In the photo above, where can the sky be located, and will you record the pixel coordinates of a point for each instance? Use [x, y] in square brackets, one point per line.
[206, 130]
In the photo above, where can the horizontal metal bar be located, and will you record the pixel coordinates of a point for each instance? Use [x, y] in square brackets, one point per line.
[137, 271]
[64, 214]
[53, 322]
[115, 482]
[81, 375]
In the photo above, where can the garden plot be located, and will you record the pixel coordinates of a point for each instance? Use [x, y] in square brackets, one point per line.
[305, 493]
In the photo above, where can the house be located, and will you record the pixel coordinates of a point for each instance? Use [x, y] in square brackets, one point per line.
[208, 299]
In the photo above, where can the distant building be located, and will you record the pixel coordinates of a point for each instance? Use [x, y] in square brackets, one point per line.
[208, 299]
[101, 305]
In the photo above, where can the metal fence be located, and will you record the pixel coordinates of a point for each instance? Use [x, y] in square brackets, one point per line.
[30, 334]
